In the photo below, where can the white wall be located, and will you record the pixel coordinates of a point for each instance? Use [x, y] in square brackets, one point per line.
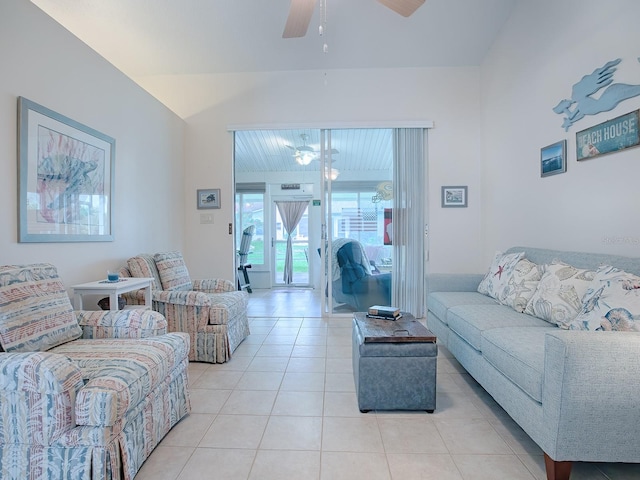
[448, 96]
[547, 47]
[43, 62]
[489, 126]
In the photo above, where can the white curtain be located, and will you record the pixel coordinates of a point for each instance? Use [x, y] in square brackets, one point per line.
[409, 221]
[291, 213]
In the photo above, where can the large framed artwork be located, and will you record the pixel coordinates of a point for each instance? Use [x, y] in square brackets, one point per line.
[65, 178]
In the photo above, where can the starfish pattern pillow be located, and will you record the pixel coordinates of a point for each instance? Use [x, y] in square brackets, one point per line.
[521, 285]
[500, 271]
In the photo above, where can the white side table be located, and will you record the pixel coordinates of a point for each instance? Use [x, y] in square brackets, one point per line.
[113, 289]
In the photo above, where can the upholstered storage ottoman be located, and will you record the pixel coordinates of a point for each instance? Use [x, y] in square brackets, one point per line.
[394, 364]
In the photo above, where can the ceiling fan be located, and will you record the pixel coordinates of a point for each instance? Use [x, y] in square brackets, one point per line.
[301, 10]
[304, 154]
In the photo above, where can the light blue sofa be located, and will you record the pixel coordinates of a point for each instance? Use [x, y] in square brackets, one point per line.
[575, 393]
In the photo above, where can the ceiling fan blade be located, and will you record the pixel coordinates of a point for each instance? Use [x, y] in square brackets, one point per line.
[403, 7]
[299, 18]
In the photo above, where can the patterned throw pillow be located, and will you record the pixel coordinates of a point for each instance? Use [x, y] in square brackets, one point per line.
[521, 285]
[173, 271]
[35, 310]
[612, 302]
[558, 298]
[499, 273]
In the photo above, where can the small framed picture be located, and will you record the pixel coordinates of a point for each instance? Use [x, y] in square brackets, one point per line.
[553, 159]
[208, 198]
[454, 197]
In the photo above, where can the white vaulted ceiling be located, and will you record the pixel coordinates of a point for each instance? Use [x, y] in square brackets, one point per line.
[179, 37]
[147, 38]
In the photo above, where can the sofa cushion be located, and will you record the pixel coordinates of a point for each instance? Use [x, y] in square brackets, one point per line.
[558, 297]
[612, 302]
[226, 306]
[36, 313]
[469, 321]
[143, 265]
[119, 374]
[440, 302]
[521, 285]
[499, 273]
[518, 353]
[173, 271]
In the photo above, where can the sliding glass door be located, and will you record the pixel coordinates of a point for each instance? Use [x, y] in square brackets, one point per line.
[375, 220]
[357, 212]
[360, 239]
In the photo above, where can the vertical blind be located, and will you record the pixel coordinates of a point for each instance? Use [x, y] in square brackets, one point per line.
[409, 194]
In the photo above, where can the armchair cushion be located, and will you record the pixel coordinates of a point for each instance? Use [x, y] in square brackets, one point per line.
[173, 271]
[37, 314]
[180, 297]
[143, 265]
[213, 285]
[119, 375]
[134, 323]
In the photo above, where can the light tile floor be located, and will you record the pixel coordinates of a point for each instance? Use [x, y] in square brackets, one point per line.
[285, 408]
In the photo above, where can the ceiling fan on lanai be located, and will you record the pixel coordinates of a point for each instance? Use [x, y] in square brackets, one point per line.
[301, 10]
[304, 154]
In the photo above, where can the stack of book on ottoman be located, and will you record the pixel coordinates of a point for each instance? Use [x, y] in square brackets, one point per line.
[384, 312]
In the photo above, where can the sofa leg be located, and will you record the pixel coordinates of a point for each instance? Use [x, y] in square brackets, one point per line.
[557, 470]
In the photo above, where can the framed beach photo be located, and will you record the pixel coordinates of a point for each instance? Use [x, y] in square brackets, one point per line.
[208, 198]
[553, 159]
[65, 178]
[454, 197]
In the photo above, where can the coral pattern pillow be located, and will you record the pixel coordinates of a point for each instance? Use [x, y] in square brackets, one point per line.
[499, 274]
[521, 285]
[36, 312]
[173, 271]
[612, 302]
[558, 298]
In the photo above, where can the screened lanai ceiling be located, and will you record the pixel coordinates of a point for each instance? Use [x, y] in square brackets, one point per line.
[274, 150]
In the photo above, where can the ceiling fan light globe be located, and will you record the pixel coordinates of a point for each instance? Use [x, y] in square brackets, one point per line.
[332, 173]
[304, 159]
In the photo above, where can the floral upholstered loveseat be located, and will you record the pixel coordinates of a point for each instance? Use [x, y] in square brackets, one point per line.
[85, 394]
[211, 311]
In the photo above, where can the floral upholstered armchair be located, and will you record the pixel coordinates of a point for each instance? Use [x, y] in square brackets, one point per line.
[83, 395]
[211, 311]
